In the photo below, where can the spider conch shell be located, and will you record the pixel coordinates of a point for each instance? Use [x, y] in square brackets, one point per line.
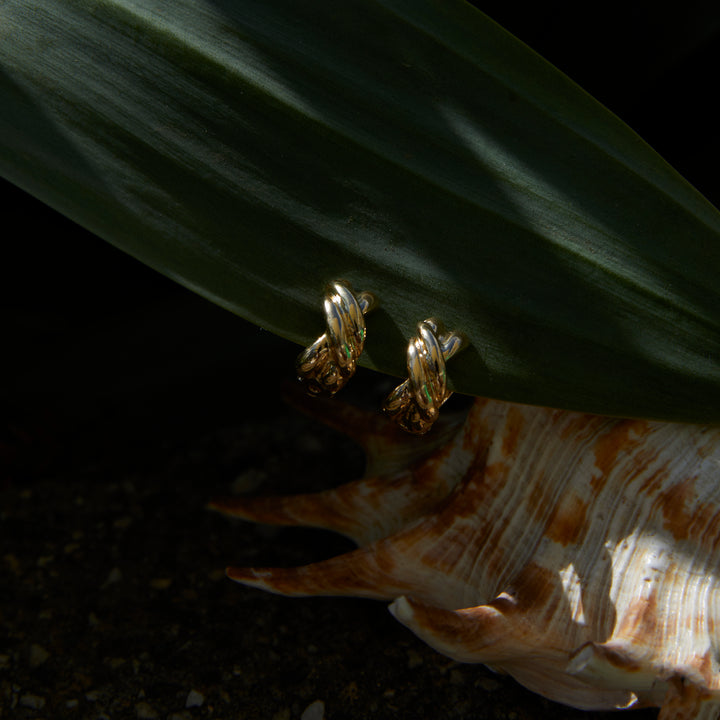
[576, 552]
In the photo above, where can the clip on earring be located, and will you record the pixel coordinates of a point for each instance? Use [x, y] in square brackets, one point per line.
[327, 365]
[415, 404]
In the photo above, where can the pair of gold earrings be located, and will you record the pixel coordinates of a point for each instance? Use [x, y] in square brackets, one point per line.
[326, 366]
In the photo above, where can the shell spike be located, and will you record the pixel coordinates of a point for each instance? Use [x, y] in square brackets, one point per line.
[356, 574]
[272, 510]
[478, 634]
[607, 665]
[364, 510]
[305, 510]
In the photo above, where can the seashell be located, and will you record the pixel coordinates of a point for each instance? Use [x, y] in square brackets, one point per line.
[578, 553]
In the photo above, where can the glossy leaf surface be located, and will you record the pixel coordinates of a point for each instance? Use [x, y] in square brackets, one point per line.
[255, 150]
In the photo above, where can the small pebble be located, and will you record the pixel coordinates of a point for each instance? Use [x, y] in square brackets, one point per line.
[34, 702]
[414, 659]
[145, 711]
[350, 692]
[4, 662]
[314, 711]
[248, 481]
[115, 576]
[38, 655]
[160, 583]
[194, 699]
[72, 704]
[489, 685]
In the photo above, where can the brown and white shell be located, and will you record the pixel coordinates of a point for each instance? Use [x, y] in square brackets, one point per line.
[578, 553]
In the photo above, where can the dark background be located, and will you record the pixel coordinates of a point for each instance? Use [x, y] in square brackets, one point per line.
[126, 402]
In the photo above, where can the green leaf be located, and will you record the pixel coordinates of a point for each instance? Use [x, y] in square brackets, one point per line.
[253, 150]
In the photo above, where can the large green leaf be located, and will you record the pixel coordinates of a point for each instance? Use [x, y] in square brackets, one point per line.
[256, 149]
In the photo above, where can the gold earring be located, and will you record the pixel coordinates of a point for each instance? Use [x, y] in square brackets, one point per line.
[327, 365]
[415, 404]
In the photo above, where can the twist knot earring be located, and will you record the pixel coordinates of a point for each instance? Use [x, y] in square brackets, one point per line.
[415, 404]
[325, 366]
